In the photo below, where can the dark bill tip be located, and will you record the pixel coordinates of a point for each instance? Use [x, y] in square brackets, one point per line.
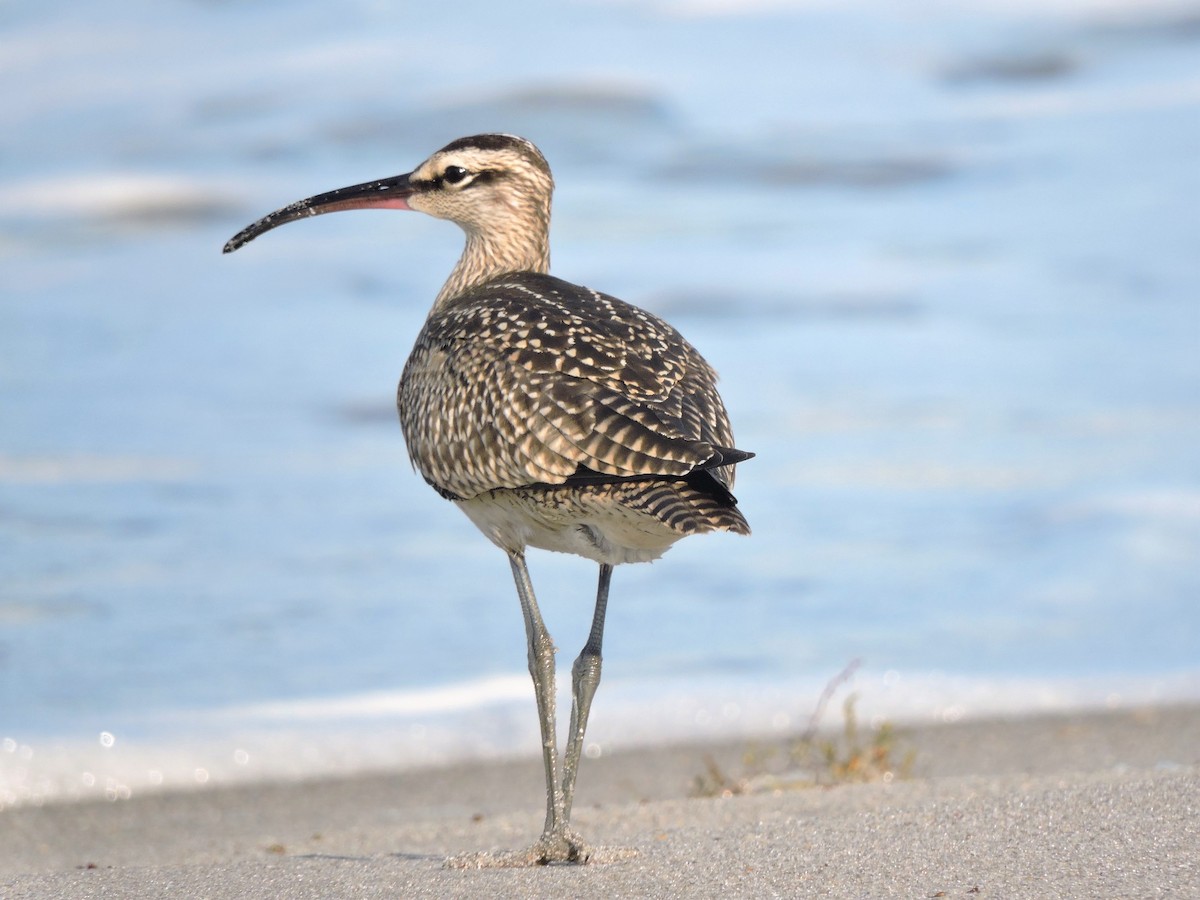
[387, 193]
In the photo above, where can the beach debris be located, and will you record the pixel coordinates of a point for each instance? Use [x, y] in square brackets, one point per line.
[851, 756]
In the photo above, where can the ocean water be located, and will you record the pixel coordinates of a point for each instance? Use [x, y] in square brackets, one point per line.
[944, 256]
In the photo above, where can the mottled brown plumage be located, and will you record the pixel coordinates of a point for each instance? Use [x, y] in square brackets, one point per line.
[536, 377]
[553, 415]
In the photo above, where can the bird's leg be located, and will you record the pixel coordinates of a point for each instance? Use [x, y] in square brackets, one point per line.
[585, 676]
[541, 668]
[557, 843]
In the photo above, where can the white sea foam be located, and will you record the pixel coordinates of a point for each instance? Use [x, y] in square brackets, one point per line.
[494, 718]
[116, 195]
[91, 468]
[453, 698]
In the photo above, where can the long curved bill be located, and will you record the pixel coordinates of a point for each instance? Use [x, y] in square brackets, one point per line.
[387, 193]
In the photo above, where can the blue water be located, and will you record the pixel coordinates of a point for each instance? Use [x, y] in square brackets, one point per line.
[944, 257]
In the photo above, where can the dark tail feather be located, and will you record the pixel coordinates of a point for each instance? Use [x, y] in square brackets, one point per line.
[704, 481]
[684, 507]
[726, 456]
[722, 456]
[710, 496]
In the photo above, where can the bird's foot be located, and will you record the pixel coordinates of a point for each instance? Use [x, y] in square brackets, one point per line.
[561, 847]
[550, 849]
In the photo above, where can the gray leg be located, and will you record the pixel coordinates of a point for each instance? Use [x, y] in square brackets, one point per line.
[541, 668]
[557, 843]
[585, 677]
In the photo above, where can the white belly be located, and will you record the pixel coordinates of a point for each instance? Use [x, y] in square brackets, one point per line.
[583, 521]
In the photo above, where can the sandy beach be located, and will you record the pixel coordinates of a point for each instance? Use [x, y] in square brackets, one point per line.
[1103, 804]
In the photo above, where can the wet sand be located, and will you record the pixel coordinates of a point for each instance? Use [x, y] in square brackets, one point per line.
[1085, 805]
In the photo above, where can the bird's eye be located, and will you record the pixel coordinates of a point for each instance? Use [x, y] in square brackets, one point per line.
[454, 174]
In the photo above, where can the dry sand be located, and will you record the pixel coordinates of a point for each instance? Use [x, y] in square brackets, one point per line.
[1089, 805]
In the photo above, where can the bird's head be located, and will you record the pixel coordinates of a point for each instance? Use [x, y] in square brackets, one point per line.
[486, 183]
[482, 182]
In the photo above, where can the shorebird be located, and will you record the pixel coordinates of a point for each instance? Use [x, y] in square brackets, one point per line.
[554, 416]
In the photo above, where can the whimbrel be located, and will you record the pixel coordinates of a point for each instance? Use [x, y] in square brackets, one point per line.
[553, 415]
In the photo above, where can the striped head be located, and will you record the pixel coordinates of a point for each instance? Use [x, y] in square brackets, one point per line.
[487, 184]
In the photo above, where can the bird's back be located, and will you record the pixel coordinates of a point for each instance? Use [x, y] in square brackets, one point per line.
[528, 382]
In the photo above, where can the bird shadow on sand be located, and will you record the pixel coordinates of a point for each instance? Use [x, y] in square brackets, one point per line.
[521, 859]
